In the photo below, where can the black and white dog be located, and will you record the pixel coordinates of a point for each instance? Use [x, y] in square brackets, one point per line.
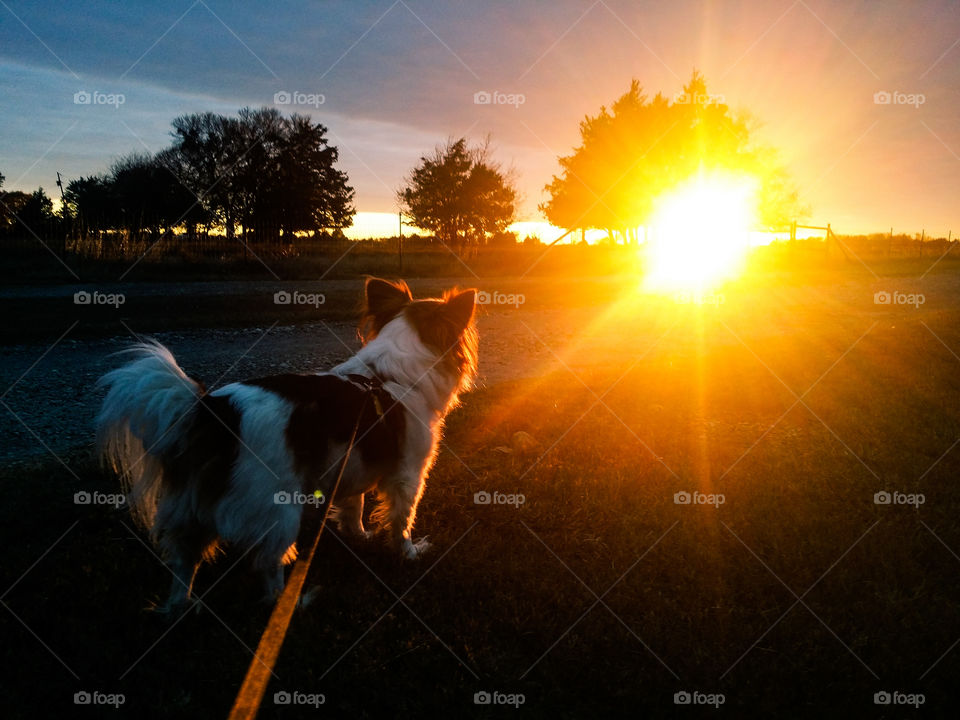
[227, 466]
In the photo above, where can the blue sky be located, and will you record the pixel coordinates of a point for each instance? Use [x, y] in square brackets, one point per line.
[399, 77]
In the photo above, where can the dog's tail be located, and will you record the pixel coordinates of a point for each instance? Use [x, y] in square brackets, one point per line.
[143, 416]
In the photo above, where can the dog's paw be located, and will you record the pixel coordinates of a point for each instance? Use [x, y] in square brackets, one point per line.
[308, 596]
[174, 610]
[416, 550]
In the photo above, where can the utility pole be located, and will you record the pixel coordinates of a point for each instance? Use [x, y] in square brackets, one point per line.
[400, 243]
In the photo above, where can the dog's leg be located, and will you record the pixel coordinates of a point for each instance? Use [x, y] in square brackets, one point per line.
[277, 549]
[349, 514]
[184, 554]
[402, 495]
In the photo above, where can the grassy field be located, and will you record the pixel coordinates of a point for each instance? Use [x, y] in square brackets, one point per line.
[794, 593]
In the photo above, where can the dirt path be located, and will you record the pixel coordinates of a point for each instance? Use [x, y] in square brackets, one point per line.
[52, 406]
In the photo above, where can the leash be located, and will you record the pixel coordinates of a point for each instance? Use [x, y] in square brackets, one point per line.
[248, 700]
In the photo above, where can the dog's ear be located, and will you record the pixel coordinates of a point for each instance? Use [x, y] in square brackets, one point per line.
[384, 298]
[460, 308]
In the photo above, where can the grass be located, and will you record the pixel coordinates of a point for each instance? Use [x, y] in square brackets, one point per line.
[692, 597]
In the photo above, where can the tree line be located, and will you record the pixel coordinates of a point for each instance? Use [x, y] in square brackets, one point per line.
[263, 176]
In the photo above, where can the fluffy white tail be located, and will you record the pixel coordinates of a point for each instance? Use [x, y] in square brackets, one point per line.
[142, 417]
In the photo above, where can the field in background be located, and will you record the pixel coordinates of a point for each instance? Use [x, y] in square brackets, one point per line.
[795, 399]
[49, 257]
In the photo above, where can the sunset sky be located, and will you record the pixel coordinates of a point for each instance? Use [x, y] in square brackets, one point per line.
[398, 78]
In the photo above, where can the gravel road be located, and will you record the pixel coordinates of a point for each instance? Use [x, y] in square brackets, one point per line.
[52, 402]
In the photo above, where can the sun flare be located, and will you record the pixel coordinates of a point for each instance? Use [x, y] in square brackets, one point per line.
[700, 233]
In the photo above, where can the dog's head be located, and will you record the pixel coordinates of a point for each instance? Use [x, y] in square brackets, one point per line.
[445, 326]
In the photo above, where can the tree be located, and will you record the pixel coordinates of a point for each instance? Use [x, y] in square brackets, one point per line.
[148, 195]
[90, 201]
[640, 148]
[459, 194]
[206, 151]
[309, 193]
[261, 170]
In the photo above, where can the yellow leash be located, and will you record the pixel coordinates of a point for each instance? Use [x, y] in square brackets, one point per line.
[248, 700]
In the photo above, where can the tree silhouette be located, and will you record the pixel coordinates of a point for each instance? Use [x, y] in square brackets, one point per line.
[261, 170]
[459, 194]
[640, 148]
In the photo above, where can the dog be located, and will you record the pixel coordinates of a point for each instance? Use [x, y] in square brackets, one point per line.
[236, 465]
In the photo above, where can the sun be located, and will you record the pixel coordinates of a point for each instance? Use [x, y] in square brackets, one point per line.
[700, 233]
